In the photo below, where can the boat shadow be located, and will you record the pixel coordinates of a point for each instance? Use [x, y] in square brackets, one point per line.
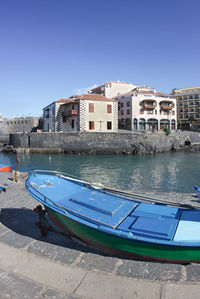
[23, 222]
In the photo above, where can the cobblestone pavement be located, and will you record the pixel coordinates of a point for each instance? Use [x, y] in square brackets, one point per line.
[26, 255]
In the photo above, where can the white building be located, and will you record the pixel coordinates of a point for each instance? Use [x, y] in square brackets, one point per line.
[50, 116]
[88, 112]
[142, 109]
[111, 89]
[188, 104]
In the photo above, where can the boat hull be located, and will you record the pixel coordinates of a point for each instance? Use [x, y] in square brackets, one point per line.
[123, 246]
[5, 168]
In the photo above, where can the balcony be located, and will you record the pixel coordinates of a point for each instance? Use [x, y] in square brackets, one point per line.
[70, 113]
[149, 104]
[166, 105]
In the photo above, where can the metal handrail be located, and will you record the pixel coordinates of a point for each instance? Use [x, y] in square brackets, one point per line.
[120, 193]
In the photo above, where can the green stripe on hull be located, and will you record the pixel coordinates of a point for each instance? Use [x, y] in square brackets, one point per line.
[141, 248]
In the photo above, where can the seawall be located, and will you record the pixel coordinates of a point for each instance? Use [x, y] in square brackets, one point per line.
[105, 143]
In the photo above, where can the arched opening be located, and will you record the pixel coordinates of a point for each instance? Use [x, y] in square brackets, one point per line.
[142, 124]
[152, 124]
[173, 124]
[135, 127]
[164, 123]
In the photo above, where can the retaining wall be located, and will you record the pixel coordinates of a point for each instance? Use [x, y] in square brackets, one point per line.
[105, 143]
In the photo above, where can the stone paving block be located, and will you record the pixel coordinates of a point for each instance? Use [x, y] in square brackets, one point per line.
[12, 286]
[57, 253]
[51, 274]
[9, 256]
[3, 229]
[15, 240]
[98, 262]
[57, 295]
[99, 285]
[151, 271]
[193, 272]
[180, 291]
[1, 272]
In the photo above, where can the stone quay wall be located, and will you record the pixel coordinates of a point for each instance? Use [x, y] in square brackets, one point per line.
[105, 143]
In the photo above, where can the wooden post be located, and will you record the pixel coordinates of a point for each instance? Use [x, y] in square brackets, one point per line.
[17, 176]
[13, 175]
[18, 167]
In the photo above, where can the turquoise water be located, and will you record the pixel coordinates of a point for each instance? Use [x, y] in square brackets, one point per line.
[166, 172]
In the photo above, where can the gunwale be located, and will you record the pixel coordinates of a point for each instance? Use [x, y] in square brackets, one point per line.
[130, 245]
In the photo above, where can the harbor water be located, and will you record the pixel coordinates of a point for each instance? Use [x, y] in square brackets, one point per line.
[166, 172]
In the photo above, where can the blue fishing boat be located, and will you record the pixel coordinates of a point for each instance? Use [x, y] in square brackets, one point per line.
[197, 190]
[129, 225]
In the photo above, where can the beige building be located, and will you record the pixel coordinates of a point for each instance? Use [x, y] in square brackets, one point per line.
[111, 89]
[88, 112]
[144, 110]
[188, 104]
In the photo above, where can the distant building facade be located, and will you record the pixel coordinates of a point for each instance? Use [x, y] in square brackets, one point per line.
[88, 112]
[19, 124]
[111, 89]
[188, 104]
[144, 110]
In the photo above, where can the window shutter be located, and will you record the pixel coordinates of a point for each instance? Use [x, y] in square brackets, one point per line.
[109, 108]
[91, 107]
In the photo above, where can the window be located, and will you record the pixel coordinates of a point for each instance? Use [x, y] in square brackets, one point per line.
[91, 125]
[128, 111]
[141, 111]
[155, 111]
[122, 105]
[109, 108]
[91, 107]
[128, 104]
[109, 125]
[122, 112]
[72, 123]
[47, 113]
[150, 111]
[64, 119]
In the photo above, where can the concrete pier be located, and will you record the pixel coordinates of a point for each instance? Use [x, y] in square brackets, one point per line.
[33, 266]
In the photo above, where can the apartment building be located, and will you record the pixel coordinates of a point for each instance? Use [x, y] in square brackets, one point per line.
[144, 110]
[84, 113]
[111, 89]
[188, 105]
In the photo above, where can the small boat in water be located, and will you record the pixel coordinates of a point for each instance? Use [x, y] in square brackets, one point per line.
[125, 224]
[4, 167]
[197, 190]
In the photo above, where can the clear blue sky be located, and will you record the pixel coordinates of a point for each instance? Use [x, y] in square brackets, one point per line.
[54, 48]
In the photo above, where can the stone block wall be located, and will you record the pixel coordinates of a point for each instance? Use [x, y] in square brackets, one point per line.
[105, 143]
